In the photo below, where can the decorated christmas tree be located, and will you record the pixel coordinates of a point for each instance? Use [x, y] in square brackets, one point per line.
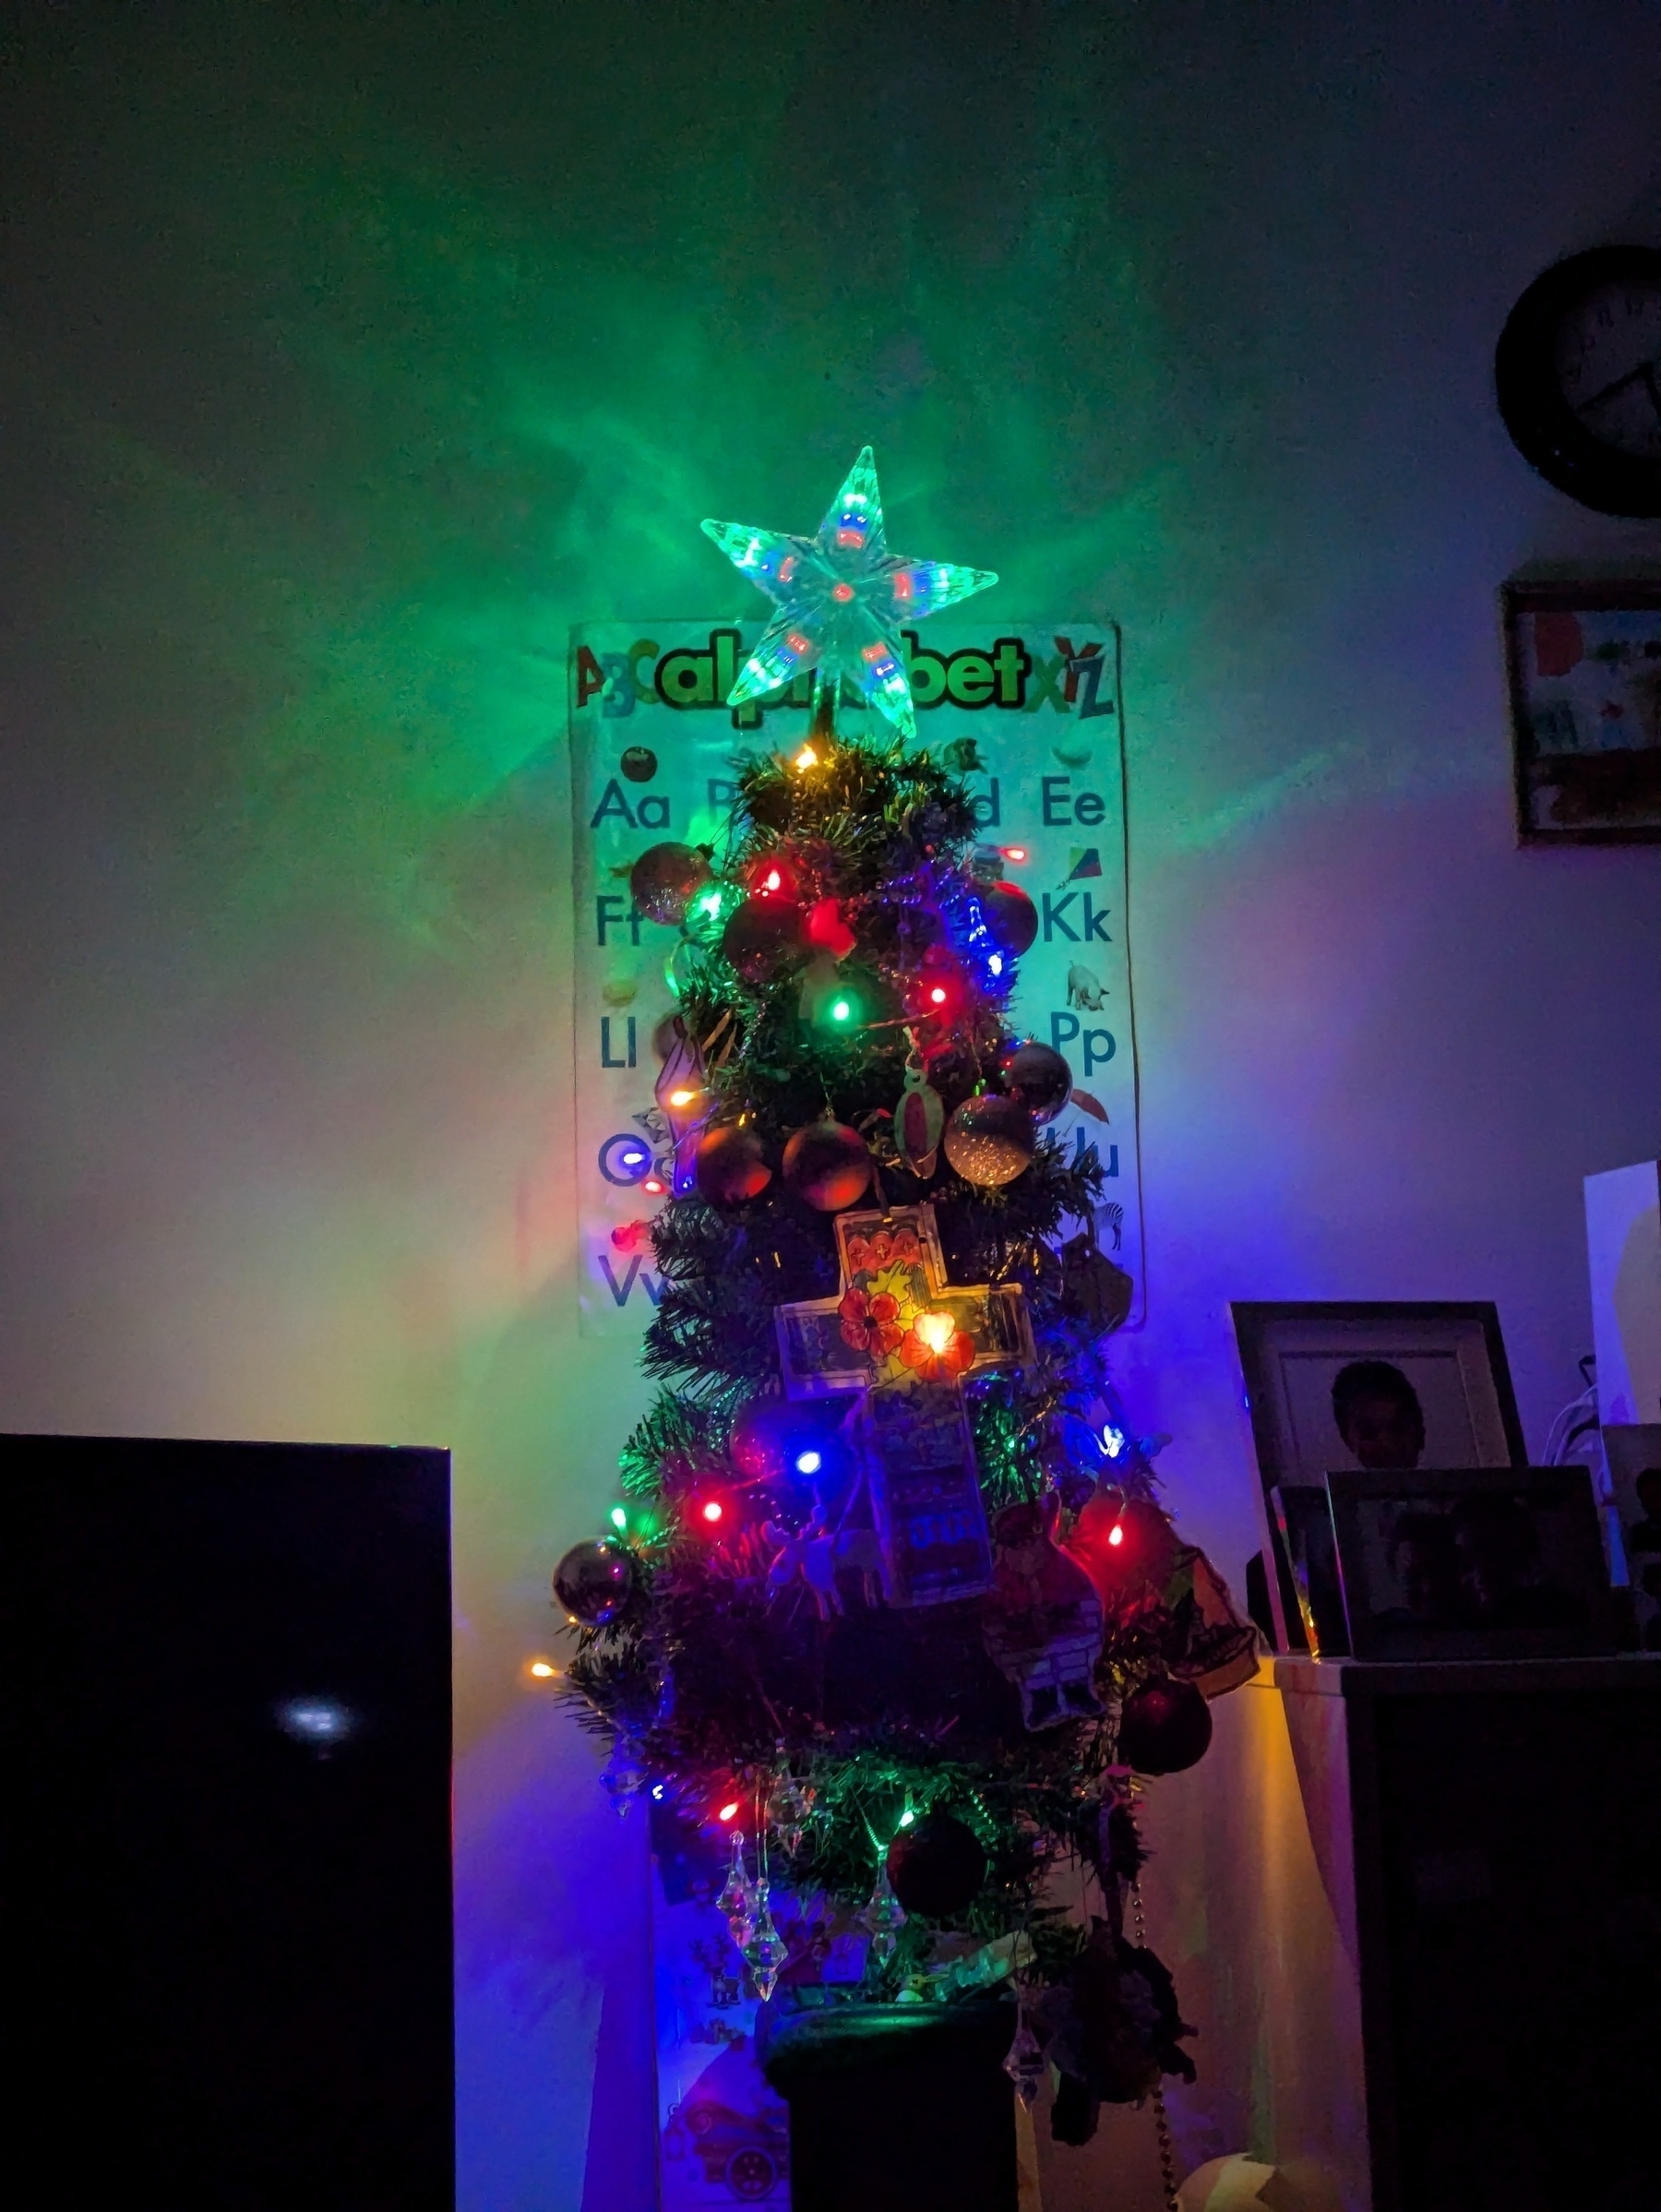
[890, 1603]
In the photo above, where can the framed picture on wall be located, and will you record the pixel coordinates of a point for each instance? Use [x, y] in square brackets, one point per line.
[1472, 1563]
[1363, 1387]
[1584, 668]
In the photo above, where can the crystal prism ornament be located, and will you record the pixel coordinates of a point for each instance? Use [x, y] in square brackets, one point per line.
[1025, 2062]
[736, 1901]
[788, 1804]
[766, 1951]
[622, 1779]
[884, 1915]
[840, 598]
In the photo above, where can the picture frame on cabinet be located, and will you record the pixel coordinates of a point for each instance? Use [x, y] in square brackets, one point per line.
[1418, 1382]
[1583, 670]
[1633, 1452]
[1472, 1563]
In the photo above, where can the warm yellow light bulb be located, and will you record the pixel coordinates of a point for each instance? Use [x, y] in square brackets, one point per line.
[543, 1670]
[937, 1330]
[806, 759]
[682, 1098]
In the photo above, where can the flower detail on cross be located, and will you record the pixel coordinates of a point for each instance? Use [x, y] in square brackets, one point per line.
[871, 1324]
[884, 1247]
[935, 1350]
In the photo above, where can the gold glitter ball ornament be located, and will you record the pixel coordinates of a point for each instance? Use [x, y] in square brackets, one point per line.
[989, 1140]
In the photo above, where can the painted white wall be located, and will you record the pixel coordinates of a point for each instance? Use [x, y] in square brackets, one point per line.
[351, 352]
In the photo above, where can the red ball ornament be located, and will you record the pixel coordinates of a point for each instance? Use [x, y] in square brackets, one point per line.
[1038, 1076]
[989, 1140]
[729, 1166]
[828, 1165]
[761, 933]
[665, 880]
[1126, 1546]
[1011, 915]
[937, 1867]
[773, 877]
[1164, 1726]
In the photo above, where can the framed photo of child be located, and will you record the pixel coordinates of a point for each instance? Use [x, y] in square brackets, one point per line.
[1366, 1388]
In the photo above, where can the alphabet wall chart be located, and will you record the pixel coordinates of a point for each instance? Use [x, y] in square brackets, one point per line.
[1031, 711]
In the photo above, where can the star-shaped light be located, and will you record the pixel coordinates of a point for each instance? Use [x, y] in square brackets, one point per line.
[841, 597]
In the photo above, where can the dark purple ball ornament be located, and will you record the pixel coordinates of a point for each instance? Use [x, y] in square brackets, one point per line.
[665, 880]
[937, 1867]
[1038, 1077]
[1164, 1727]
[594, 1582]
[1011, 916]
[762, 933]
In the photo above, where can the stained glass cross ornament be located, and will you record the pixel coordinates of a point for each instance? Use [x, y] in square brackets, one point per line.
[898, 1332]
[840, 596]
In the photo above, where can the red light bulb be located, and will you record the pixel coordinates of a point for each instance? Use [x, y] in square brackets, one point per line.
[711, 1513]
[1116, 1535]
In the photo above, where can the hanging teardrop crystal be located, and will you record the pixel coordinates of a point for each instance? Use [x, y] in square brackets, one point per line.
[766, 1951]
[622, 1777]
[788, 1804]
[884, 1915]
[1024, 2064]
[736, 1901]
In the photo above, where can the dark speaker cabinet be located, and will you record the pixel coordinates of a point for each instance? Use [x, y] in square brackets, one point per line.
[225, 1842]
[1489, 1843]
[1510, 1930]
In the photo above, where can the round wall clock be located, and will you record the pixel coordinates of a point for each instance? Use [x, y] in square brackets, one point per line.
[1578, 376]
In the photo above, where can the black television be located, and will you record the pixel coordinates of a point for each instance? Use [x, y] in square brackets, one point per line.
[225, 1824]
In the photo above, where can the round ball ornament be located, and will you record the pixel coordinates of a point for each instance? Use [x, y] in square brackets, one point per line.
[937, 1867]
[828, 1165]
[1038, 1077]
[761, 933]
[1011, 916]
[1164, 1726]
[989, 1140]
[665, 880]
[593, 1582]
[730, 1167]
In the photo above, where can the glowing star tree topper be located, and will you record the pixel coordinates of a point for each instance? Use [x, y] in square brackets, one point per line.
[841, 597]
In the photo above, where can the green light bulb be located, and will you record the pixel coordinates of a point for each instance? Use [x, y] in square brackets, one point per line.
[841, 1010]
[619, 1519]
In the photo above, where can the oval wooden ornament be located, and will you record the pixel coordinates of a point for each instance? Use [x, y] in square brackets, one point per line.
[919, 1120]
